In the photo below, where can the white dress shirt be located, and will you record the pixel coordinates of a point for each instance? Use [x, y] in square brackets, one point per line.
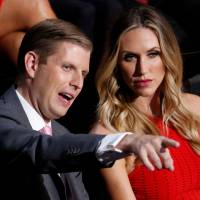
[36, 120]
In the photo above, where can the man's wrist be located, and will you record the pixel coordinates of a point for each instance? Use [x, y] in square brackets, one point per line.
[126, 144]
[112, 148]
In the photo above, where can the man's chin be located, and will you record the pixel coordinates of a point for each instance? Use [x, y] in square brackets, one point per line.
[60, 114]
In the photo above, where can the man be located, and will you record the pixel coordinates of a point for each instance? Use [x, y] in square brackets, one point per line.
[35, 163]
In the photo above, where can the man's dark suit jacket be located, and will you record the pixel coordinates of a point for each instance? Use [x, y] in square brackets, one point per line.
[30, 162]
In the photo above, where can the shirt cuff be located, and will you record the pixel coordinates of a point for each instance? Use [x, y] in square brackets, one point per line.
[107, 152]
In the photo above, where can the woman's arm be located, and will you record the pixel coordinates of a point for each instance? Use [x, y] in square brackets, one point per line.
[20, 15]
[9, 44]
[117, 182]
[116, 178]
[16, 17]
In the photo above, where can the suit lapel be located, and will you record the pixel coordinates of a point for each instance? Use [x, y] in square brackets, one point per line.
[12, 102]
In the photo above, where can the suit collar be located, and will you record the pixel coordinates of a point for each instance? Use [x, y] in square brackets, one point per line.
[12, 101]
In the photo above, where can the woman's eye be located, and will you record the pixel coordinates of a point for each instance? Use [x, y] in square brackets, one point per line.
[129, 57]
[154, 54]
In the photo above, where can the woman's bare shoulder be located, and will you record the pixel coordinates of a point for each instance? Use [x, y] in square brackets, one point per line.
[99, 128]
[191, 102]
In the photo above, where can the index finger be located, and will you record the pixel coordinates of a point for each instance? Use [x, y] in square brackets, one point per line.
[167, 142]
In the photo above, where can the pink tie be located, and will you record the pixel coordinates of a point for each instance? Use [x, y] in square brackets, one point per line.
[46, 130]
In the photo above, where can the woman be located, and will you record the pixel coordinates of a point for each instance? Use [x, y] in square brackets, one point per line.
[140, 90]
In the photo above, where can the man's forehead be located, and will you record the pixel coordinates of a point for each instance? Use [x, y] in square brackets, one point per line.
[72, 54]
[72, 44]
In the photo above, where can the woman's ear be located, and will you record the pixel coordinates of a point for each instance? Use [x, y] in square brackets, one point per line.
[31, 61]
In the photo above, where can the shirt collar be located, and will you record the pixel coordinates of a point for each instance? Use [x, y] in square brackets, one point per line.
[36, 121]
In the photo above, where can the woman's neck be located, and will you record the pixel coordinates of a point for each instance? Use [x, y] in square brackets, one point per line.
[148, 105]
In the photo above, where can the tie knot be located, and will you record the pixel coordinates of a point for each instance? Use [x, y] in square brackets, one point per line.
[46, 130]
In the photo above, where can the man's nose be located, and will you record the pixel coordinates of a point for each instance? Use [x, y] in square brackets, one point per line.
[77, 81]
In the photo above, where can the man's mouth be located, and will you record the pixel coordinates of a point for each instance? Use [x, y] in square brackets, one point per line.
[66, 96]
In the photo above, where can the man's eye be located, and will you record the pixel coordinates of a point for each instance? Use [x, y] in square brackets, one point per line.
[84, 74]
[67, 67]
[129, 57]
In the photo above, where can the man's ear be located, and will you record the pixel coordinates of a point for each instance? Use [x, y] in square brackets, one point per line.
[31, 61]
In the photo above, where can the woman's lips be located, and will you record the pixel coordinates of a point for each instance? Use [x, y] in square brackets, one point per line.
[142, 83]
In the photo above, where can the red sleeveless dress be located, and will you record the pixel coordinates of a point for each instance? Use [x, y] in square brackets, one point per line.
[181, 184]
[1, 1]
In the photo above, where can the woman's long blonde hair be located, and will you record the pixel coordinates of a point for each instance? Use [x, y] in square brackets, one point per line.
[115, 110]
